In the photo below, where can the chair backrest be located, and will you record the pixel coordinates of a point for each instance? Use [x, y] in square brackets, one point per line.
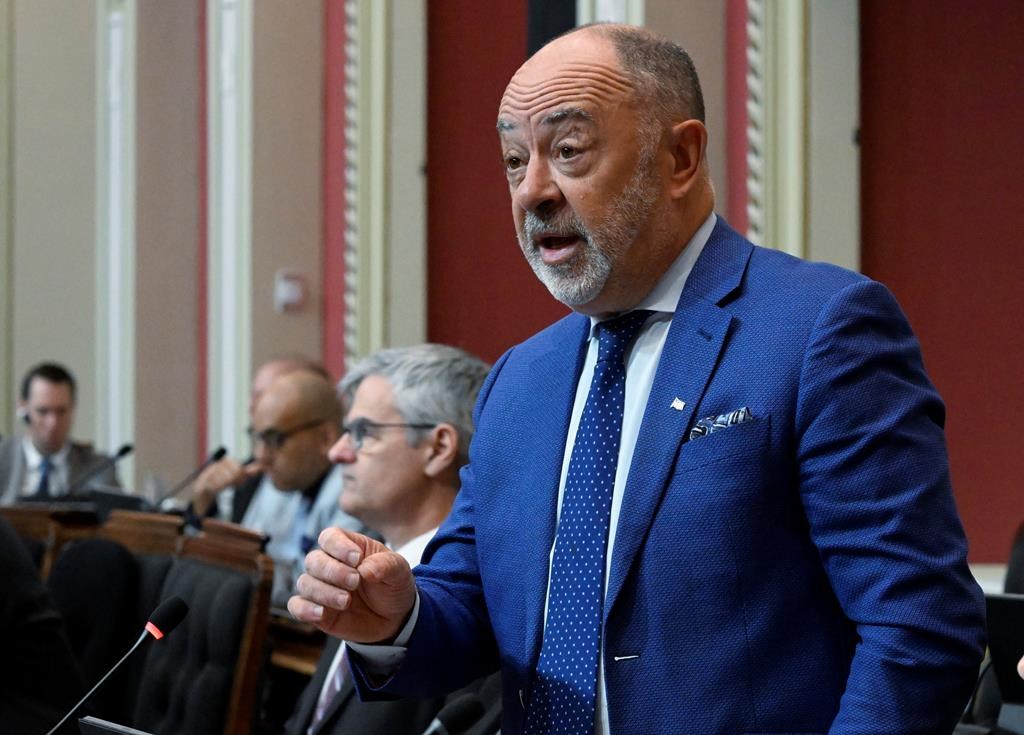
[204, 678]
[46, 528]
[95, 585]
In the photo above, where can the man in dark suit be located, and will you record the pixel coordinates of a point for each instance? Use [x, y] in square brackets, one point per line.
[45, 462]
[405, 436]
[714, 500]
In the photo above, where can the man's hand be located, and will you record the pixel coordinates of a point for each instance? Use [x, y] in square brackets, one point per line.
[218, 477]
[354, 588]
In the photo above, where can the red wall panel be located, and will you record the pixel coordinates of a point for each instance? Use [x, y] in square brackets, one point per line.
[943, 215]
[482, 295]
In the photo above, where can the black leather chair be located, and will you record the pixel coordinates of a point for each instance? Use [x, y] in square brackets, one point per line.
[204, 677]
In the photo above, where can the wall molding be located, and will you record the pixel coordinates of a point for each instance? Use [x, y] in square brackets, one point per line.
[115, 227]
[385, 182]
[229, 281]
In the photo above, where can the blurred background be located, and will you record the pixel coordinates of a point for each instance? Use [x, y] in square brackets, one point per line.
[190, 188]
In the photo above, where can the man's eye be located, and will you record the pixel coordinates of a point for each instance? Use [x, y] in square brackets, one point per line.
[513, 162]
[566, 152]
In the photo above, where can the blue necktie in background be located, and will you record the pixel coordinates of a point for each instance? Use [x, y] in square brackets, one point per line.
[564, 696]
[45, 467]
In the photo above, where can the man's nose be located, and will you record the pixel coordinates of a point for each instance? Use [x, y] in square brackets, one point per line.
[537, 191]
[343, 451]
[261, 453]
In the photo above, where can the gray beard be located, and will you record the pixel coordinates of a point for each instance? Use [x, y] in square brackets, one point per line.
[581, 279]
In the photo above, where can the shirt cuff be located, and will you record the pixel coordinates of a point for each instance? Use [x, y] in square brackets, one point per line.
[383, 660]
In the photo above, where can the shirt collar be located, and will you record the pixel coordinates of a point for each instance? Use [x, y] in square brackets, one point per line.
[664, 297]
[33, 458]
[412, 550]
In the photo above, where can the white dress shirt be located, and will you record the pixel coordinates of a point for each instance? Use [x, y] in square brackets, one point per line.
[58, 468]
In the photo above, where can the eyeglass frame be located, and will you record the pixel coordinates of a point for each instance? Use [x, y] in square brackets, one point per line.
[358, 429]
[273, 439]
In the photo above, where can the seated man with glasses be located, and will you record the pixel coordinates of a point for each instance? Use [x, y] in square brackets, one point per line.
[406, 435]
[294, 423]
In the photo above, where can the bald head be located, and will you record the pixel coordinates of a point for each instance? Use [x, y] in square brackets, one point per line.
[271, 370]
[296, 421]
[302, 396]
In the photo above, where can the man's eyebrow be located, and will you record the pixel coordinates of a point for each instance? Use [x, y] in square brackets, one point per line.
[552, 118]
[567, 113]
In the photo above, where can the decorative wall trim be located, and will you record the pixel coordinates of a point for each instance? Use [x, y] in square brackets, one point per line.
[115, 227]
[229, 282]
[385, 200]
[776, 130]
[615, 11]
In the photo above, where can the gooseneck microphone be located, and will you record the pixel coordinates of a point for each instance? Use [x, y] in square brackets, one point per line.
[100, 467]
[163, 620]
[457, 716]
[215, 456]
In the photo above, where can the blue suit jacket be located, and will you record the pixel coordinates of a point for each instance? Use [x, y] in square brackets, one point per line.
[803, 572]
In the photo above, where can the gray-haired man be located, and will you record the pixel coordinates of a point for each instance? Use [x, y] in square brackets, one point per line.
[406, 434]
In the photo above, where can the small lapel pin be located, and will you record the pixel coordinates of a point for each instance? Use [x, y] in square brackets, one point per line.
[678, 404]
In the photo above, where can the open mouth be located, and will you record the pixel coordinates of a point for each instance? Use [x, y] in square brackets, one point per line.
[556, 249]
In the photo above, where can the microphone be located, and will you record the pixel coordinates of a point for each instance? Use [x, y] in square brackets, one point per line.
[215, 456]
[103, 466]
[163, 620]
[457, 716]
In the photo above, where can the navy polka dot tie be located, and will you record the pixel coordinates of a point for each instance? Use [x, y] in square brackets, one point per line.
[564, 695]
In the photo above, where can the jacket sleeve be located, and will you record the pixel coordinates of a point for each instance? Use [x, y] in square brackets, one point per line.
[875, 485]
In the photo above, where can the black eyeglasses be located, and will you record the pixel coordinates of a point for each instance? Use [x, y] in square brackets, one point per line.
[359, 429]
[275, 438]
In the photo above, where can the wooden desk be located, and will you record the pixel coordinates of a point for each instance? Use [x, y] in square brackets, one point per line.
[295, 646]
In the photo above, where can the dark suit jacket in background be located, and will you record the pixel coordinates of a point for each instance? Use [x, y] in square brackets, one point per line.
[81, 459]
[347, 715]
[802, 572]
[39, 679]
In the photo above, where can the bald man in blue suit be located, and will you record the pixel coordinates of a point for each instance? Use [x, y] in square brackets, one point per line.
[783, 550]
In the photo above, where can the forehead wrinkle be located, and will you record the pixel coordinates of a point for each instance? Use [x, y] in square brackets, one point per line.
[599, 84]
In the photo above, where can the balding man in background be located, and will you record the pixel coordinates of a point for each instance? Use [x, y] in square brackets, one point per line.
[289, 490]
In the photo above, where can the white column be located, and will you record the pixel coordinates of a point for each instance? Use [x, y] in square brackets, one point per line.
[229, 256]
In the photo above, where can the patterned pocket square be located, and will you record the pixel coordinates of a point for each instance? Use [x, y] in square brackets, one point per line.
[713, 423]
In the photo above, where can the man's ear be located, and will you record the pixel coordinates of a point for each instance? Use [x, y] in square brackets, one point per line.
[441, 449]
[689, 143]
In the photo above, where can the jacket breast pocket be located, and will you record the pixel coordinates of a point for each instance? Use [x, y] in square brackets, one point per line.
[750, 438]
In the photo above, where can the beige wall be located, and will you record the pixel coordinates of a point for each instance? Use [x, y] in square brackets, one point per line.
[286, 172]
[699, 25]
[53, 218]
[167, 234]
[48, 254]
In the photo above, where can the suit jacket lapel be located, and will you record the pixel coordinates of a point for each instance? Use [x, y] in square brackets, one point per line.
[14, 460]
[347, 689]
[696, 337]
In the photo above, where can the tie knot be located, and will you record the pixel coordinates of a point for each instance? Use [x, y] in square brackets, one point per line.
[46, 463]
[615, 335]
